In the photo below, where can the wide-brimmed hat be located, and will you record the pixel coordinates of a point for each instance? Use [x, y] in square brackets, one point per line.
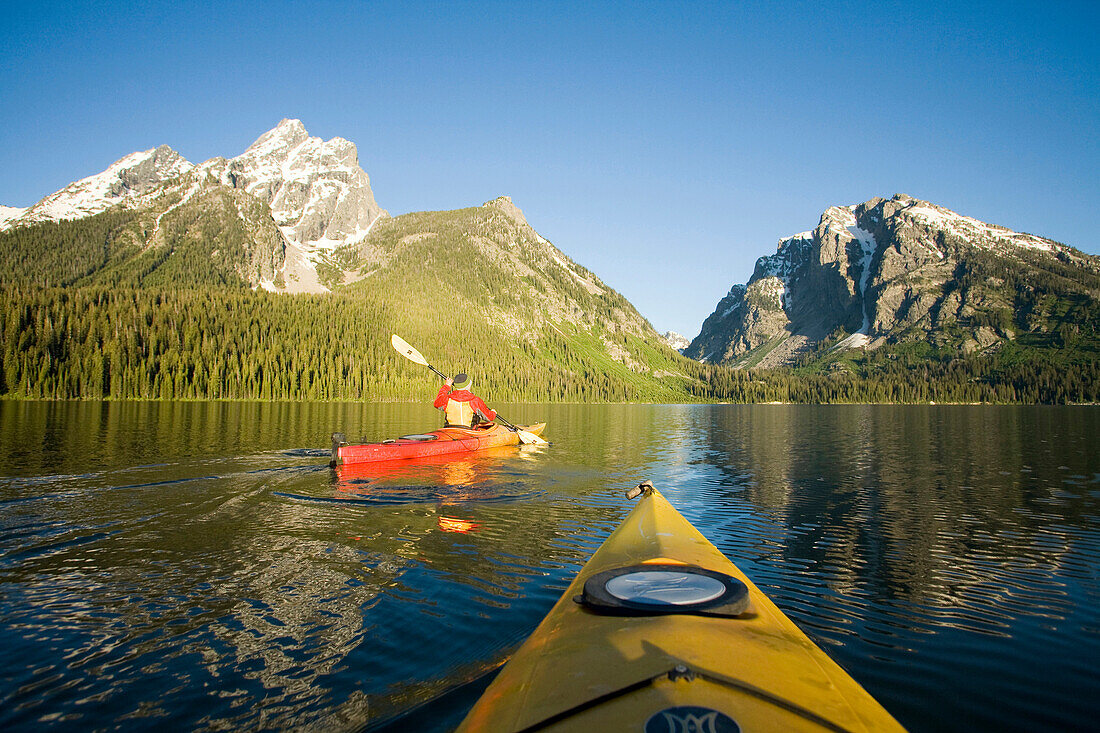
[462, 381]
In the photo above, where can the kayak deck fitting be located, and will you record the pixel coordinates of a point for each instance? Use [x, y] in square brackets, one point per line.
[661, 633]
[435, 443]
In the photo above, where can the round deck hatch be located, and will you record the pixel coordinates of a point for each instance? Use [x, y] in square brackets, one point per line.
[662, 588]
[665, 587]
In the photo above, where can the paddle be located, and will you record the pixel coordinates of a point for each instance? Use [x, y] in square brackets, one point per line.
[412, 354]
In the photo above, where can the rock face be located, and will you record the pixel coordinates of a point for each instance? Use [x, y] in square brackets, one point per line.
[884, 271]
[513, 212]
[318, 194]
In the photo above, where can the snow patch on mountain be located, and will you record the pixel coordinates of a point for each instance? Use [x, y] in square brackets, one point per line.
[735, 298]
[7, 213]
[130, 181]
[676, 341]
[195, 187]
[737, 304]
[774, 287]
[788, 257]
[868, 246]
[977, 232]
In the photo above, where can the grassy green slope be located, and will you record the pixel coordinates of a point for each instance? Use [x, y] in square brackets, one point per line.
[477, 291]
[122, 320]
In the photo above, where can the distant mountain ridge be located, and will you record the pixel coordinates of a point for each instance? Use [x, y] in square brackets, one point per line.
[314, 191]
[131, 181]
[303, 214]
[891, 271]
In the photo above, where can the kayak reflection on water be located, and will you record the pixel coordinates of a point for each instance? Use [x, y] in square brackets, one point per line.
[448, 481]
[453, 524]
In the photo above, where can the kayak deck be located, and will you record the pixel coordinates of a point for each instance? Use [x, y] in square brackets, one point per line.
[583, 670]
[435, 443]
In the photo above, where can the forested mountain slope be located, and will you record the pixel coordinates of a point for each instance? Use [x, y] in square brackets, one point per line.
[99, 307]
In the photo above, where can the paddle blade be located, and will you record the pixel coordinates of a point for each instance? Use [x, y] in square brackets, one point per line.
[530, 438]
[407, 351]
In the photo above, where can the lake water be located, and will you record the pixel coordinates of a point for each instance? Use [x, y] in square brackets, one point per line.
[199, 565]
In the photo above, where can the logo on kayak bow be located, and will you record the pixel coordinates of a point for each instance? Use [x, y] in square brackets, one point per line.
[690, 719]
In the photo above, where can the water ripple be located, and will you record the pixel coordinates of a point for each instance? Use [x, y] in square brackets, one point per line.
[257, 588]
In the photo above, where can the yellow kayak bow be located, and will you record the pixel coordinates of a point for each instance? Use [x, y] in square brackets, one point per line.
[661, 633]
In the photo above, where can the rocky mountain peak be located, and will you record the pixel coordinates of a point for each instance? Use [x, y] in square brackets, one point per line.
[879, 271]
[790, 255]
[283, 137]
[318, 194]
[504, 203]
[148, 171]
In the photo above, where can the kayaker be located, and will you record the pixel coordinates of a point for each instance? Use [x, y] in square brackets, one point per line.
[464, 409]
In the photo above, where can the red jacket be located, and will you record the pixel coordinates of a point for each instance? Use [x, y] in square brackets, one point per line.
[465, 403]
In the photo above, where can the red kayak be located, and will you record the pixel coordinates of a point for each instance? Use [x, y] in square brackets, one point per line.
[435, 443]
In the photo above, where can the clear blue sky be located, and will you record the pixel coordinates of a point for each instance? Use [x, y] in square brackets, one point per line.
[665, 146]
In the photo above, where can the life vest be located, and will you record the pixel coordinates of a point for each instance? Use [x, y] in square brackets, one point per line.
[462, 407]
[460, 412]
